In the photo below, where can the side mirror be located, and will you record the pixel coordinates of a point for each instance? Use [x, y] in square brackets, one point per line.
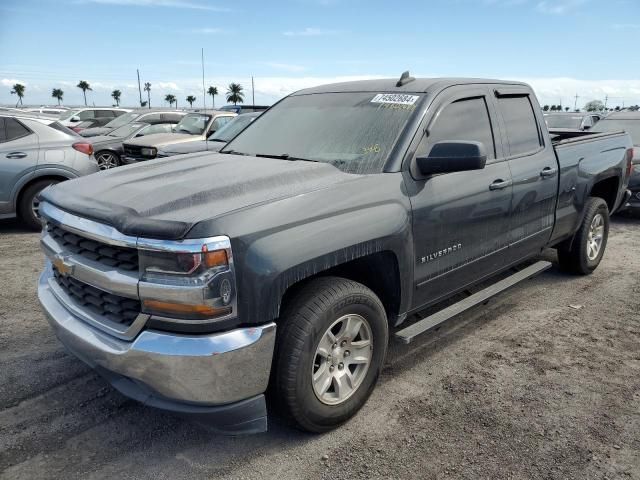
[453, 156]
[74, 119]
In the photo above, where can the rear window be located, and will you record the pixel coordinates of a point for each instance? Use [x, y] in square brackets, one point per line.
[521, 125]
[63, 129]
[563, 121]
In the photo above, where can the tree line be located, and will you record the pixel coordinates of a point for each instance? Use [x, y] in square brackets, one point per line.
[234, 94]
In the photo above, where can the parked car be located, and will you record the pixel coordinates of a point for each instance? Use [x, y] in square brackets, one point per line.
[571, 121]
[244, 108]
[90, 116]
[630, 123]
[108, 148]
[215, 142]
[192, 128]
[287, 258]
[47, 110]
[37, 152]
[151, 116]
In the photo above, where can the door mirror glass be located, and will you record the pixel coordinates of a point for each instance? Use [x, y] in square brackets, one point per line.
[74, 119]
[453, 156]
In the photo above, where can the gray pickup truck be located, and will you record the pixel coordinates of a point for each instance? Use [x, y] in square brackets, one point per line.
[287, 259]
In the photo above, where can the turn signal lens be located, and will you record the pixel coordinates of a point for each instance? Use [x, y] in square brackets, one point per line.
[216, 258]
[183, 310]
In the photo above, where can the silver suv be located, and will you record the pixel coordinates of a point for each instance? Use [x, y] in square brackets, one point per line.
[36, 152]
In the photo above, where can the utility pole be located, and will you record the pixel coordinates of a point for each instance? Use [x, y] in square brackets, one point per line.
[575, 105]
[139, 89]
[204, 93]
[253, 92]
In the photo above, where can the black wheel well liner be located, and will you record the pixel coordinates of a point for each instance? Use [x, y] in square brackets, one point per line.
[607, 189]
[378, 271]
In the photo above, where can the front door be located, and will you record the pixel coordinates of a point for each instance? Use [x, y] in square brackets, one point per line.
[460, 220]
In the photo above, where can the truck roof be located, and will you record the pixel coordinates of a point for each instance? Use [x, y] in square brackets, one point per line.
[390, 85]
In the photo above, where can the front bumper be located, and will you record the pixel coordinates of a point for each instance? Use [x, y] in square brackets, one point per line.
[220, 377]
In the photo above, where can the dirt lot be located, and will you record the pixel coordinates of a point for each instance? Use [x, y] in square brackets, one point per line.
[525, 387]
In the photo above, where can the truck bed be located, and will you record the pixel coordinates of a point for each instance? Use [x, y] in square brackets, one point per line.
[564, 137]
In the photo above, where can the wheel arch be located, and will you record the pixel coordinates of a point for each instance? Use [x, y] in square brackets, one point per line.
[23, 188]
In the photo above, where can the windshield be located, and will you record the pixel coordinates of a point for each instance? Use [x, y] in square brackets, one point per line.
[122, 120]
[126, 130]
[632, 127]
[353, 131]
[68, 115]
[193, 123]
[233, 128]
[563, 121]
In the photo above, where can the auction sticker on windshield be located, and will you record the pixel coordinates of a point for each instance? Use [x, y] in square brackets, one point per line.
[397, 98]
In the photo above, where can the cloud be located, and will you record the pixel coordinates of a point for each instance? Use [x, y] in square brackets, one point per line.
[207, 31]
[186, 4]
[559, 7]
[167, 86]
[10, 82]
[285, 66]
[309, 32]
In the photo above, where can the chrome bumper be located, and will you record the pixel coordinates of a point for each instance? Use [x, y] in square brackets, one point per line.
[198, 370]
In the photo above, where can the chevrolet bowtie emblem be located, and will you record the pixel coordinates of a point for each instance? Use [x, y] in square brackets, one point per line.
[63, 267]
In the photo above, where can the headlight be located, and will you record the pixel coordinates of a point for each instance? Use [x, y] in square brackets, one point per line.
[188, 280]
[148, 152]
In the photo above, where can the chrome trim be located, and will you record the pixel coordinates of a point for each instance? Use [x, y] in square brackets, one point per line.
[125, 332]
[198, 369]
[96, 274]
[85, 227]
[189, 245]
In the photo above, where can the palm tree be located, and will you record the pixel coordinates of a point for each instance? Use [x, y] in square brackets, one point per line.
[545, 108]
[18, 89]
[170, 99]
[84, 86]
[57, 93]
[213, 91]
[147, 88]
[191, 99]
[116, 96]
[234, 93]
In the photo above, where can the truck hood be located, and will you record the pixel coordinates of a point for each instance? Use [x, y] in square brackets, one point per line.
[160, 139]
[192, 147]
[164, 199]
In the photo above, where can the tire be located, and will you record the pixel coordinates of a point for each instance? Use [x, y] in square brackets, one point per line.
[107, 160]
[315, 308]
[580, 259]
[27, 205]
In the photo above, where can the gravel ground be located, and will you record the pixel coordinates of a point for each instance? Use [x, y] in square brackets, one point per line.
[524, 387]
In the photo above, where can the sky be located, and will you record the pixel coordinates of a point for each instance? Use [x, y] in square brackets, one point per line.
[563, 48]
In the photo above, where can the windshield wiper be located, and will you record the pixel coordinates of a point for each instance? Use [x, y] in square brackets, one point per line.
[233, 152]
[284, 156]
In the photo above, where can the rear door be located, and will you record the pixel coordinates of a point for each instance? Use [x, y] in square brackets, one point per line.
[534, 172]
[18, 158]
[460, 220]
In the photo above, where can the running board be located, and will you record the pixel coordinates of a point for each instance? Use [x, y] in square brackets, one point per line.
[406, 335]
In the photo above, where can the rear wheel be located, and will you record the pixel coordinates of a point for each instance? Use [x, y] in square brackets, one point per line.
[107, 160]
[331, 347]
[590, 240]
[29, 204]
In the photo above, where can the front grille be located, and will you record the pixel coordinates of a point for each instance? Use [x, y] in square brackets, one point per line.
[117, 309]
[133, 150]
[113, 256]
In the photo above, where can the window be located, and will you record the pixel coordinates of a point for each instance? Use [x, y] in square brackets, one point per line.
[219, 122]
[15, 129]
[464, 120]
[104, 114]
[86, 115]
[3, 137]
[521, 125]
[151, 118]
[171, 117]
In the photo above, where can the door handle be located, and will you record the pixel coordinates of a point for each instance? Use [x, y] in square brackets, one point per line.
[16, 155]
[548, 172]
[500, 184]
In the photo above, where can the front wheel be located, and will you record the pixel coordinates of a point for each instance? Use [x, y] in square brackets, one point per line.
[107, 160]
[590, 241]
[331, 348]
[29, 204]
